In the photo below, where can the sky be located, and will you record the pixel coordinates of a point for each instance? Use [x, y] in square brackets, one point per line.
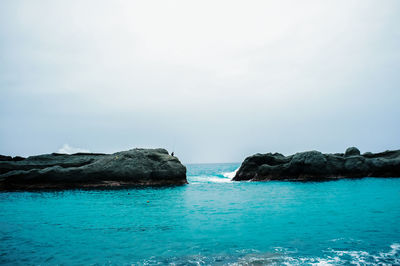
[213, 81]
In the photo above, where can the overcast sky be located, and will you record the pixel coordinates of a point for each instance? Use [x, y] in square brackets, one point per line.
[213, 80]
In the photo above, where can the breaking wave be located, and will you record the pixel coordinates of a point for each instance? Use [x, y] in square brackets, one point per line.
[209, 179]
[280, 256]
[332, 257]
[221, 177]
[230, 175]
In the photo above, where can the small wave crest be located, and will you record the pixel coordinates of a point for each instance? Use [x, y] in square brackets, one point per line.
[221, 177]
[209, 179]
[230, 175]
[333, 257]
[282, 256]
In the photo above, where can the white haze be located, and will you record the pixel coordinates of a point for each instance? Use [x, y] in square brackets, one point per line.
[67, 149]
[214, 81]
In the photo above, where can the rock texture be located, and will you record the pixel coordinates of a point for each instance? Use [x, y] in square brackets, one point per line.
[314, 165]
[90, 170]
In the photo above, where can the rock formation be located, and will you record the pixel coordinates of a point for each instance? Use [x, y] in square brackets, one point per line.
[90, 170]
[314, 165]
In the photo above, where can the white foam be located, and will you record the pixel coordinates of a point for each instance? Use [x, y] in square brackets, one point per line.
[393, 253]
[219, 180]
[395, 247]
[336, 257]
[283, 256]
[230, 175]
[212, 179]
[67, 149]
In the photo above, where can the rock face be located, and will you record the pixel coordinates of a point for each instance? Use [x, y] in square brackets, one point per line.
[314, 165]
[90, 170]
[352, 151]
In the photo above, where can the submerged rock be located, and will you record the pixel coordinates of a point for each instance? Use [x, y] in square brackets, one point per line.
[314, 165]
[91, 170]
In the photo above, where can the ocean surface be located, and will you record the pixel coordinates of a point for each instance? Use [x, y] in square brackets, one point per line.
[211, 221]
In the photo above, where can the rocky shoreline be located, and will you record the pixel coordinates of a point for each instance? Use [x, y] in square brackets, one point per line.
[155, 167]
[314, 166]
[136, 167]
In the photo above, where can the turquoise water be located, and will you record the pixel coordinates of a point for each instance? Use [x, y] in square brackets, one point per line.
[210, 221]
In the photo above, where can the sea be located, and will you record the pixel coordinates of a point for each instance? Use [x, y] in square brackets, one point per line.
[210, 221]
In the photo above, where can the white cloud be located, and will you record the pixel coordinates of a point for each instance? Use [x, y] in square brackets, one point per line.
[70, 150]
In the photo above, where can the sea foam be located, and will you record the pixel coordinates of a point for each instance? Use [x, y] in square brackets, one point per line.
[230, 175]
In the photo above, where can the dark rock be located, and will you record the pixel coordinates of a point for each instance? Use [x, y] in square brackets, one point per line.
[352, 151]
[5, 158]
[18, 158]
[89, 170]
[314, 165]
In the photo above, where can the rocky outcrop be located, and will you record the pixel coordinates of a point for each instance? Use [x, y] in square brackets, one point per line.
[314, 165]
[352, 151]
[90, 170]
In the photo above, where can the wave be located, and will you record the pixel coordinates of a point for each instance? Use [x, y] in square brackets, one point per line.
[281, 256]
[230, 175]
[224, 177]
[209, 179]
[333, 257]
